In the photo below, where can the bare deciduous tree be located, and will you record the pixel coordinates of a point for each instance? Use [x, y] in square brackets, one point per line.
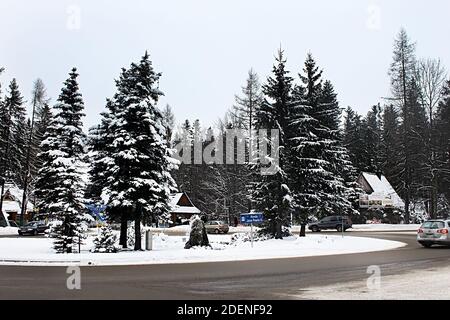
[431, 77]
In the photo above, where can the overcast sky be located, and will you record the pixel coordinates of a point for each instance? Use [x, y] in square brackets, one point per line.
[204, 48]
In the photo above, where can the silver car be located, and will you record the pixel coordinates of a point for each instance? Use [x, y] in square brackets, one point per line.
[434, 232]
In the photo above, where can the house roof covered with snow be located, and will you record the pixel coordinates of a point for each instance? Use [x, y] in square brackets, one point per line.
[381, 187]
[180, 203]
[12, 199]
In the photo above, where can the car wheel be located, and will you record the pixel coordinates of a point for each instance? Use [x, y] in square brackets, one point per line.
[426, 245]
[217, 231]
[315, 229]
[339, 228]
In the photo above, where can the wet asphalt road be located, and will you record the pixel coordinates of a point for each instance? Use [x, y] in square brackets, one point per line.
[259, 279]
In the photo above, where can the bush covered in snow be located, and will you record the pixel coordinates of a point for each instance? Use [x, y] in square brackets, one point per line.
[198, 236]
[105, 242]
[246, 237]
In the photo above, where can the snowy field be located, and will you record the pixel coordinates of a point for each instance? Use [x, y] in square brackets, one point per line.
[296, 229]
[170, 249]
[8, 231]
[409, 286]
[182, 230]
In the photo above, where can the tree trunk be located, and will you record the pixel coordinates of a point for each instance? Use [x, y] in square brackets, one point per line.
[407, 201]
[303, 230]
[23, 209]
[123, 230]
[137, 230]
[434, 198]
[1, 195]
[278, 234]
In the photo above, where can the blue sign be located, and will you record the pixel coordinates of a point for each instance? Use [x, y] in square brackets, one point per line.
[247, 218]
[97, 211]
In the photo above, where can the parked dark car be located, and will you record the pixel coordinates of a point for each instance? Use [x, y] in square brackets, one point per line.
[33, 228]
[331, 222]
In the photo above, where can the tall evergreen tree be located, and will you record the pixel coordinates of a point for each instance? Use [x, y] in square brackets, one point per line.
[354, 139]
[372, 140]
[320, 163]
[336, 153]
[12, 139]
[138, 173]
[18, 132]
[391, 145]
[43, 119]
[271, 192]
[402, 73]
[64, 164]
[33, 141]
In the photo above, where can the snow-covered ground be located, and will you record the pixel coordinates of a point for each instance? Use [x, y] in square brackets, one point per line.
[429, 284]
[170, 249]
[9, 231]
[385, 227]
[186, 228]
[296, 229]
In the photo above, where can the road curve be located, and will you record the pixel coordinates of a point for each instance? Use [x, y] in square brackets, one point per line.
[258, 279]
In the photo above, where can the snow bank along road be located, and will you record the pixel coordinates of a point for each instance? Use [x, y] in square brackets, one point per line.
[30, 251]
[257, 279]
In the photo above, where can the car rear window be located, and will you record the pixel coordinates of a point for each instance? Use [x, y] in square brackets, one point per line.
[433, 225]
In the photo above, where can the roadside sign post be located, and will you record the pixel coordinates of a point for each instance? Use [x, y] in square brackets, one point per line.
[250, 218]
[251, 234]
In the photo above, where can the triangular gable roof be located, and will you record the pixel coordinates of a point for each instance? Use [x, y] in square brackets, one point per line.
[13, 199]
[382, 187]
[177, 207]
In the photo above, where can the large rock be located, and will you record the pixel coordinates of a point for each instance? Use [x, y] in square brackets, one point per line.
[198, 236]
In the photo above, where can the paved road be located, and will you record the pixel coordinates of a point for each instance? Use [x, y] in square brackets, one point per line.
[261, 279]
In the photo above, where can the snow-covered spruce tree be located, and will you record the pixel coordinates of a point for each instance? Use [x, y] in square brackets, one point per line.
[64, 153]
[34, 138]
[271, 192]
[105, 242]
[46, 179]
[319, 165]
[390, 145]
[99, 142]
[372, 140]
[5, 126]
[138, 181]
[17, 132]
[346, 190]
[353, 138]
